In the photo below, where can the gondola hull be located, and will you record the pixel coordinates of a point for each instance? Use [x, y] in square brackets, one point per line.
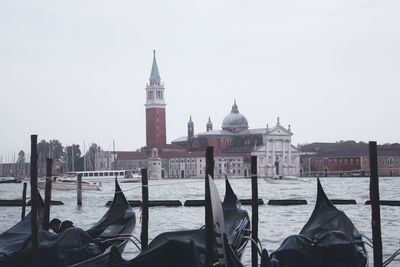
[74, 246]
[328, 239]
[187, 248]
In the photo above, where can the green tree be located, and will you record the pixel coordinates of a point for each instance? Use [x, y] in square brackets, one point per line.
[73, 158]
[91, 156]
[56, 149]
[21, 157]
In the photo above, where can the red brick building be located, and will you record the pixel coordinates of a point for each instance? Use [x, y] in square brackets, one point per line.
[347, 159]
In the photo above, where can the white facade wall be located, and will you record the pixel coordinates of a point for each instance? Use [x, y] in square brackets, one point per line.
[277, 156]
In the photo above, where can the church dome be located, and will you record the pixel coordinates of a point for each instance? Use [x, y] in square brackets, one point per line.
[234, 119]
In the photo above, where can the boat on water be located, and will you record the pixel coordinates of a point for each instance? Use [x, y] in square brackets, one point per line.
[9, 180]
[329, 239]
[187, 247]
[287, 178]
[69, 184]
[106, 175]
[73, 247]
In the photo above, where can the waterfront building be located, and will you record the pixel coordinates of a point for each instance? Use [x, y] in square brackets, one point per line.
[347, 159]
[277, 156]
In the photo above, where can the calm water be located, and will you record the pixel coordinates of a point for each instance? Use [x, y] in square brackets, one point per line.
[275, 222]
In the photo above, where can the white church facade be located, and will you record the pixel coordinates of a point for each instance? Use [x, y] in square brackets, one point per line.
[277, 157]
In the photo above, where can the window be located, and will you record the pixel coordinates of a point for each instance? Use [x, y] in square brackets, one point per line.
[85, 174]
[220, 172]
[96, 174]
[121, 173]
[383, 163]
[238, 171]
[200, 171]
[220, 165]
[106, 174]
[330, 162]
[239, 165]
[101, 174]
[193, 172]
[341, 162]
[90, 174]
[346, 161]
[233, 170]
[351, 161]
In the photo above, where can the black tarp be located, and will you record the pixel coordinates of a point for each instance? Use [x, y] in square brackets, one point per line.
[120, 212]
[71, 246]
[328, 239]
[16, 238]
[187, 248]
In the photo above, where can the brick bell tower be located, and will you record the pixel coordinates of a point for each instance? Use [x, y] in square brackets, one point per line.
[155, 109]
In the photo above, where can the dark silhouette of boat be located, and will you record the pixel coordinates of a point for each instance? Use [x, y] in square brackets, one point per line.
[187, 248]
[328, 239]
[74, 246]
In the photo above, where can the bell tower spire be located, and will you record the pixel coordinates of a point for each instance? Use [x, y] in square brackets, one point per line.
[155, 109]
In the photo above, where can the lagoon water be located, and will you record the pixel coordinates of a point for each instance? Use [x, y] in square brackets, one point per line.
[275, 222]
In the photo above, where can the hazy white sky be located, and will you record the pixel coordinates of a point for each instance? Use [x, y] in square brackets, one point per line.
[76, 70]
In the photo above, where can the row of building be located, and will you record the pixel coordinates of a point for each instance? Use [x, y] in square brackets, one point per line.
[234, 144]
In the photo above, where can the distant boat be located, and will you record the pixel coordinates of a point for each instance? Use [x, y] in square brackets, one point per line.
[9, 180]
[68, 184]
[104, 175]
[288, 178]
[132, 178]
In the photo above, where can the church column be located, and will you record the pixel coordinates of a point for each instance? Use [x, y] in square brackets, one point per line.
[273, 157]
[266, 158]
[290, 155]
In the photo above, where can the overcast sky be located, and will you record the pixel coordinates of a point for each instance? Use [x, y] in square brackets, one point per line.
[76, 70]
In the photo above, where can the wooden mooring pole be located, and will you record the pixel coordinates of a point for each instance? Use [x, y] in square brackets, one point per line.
[23, 201]
[375, 206]
[47, 194]
[254, 211]
[35, 203]
[79, 189]
[144, 235]
[209, 224]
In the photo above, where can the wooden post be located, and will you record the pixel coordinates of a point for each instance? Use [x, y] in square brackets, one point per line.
[144, 235]
[47, 194]
[23, 201]
[79, 189]
[254, 211]
[375, 205]
[34, 203]
[209, 224]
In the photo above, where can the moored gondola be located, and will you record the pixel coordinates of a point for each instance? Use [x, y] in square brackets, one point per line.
[328, 239]
[113, 230]
[187, 248]
[74, 246]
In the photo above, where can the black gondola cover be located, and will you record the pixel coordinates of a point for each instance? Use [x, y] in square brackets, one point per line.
[187, 248]
[15, 239]
[69, 247]
[328, 239]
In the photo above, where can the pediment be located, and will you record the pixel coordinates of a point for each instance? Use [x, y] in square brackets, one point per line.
[279, 130]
